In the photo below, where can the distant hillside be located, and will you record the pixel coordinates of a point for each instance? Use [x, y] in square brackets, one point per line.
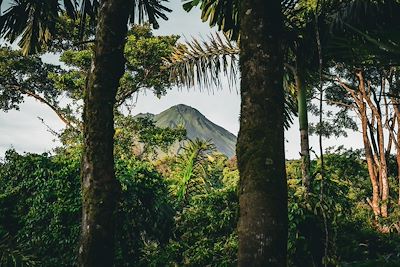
[197, 126]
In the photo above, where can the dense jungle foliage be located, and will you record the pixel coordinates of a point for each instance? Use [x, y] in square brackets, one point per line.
[114, 178]
[40, 213]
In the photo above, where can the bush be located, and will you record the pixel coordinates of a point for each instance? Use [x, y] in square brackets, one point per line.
[41, 207]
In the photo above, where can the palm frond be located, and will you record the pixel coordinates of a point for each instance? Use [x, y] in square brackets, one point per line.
[221, 13]
[359, 13]
[290, 101]
[149, 11]
[225, 14]
[356, 36]
[70, 7]
[88, 9]
[202, 62]
[142, 11]
[192, 174]
[34, 21]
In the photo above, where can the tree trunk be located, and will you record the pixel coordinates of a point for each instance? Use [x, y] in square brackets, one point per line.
[383, 173]
[382, 166]
[99, 185]
[397, 142]
[398, 151]
[262, 224]
[303, 126]
[370, 162]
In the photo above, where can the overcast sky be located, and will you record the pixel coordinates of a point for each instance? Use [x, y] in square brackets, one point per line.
[23, 131]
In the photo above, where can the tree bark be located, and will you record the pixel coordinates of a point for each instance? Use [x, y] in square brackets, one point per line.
[99, 185]
[382, 166]
[263, 223]
[370, 161]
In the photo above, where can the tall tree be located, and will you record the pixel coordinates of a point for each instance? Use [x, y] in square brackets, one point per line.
[198, 62]
[368, 92]
[99, 186]
[369, 48]
[262, 224]
[35, 22]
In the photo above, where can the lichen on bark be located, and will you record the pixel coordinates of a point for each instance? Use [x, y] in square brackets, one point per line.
[262, 224]
[100, 188]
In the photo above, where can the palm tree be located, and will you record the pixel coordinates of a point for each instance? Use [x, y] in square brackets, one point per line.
[202, 62]
[262, 226]
[260, 149]
[34, 21]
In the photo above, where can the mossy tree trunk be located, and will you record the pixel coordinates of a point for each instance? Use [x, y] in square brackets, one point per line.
[262, 224]
[99, 185]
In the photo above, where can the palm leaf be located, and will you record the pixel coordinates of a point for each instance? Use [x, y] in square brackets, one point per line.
[202, 62]
[221, 13]
[356, 37]
[35, 21]
[192, 175]
[149, 11]
[225, 13]
[70, 7]
[142, 11]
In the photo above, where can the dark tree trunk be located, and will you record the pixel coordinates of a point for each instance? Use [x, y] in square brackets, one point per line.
[262, 224]
[99, 185]
[398, 159]
[397, 112]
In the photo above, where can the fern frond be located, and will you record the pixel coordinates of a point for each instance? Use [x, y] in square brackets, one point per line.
[192, 175]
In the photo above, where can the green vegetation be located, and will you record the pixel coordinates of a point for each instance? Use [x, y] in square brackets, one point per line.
[40, 212]
[115, 194]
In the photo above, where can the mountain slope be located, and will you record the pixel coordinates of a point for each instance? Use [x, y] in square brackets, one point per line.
[197, 126]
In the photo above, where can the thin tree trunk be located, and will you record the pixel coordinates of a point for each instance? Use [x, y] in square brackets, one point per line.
[383, 177]
[303, 126]
[303, 123]
[262, 224]
[99, 185]
[370, 162]
[398, 152]
[396, 119]
[370, 156]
